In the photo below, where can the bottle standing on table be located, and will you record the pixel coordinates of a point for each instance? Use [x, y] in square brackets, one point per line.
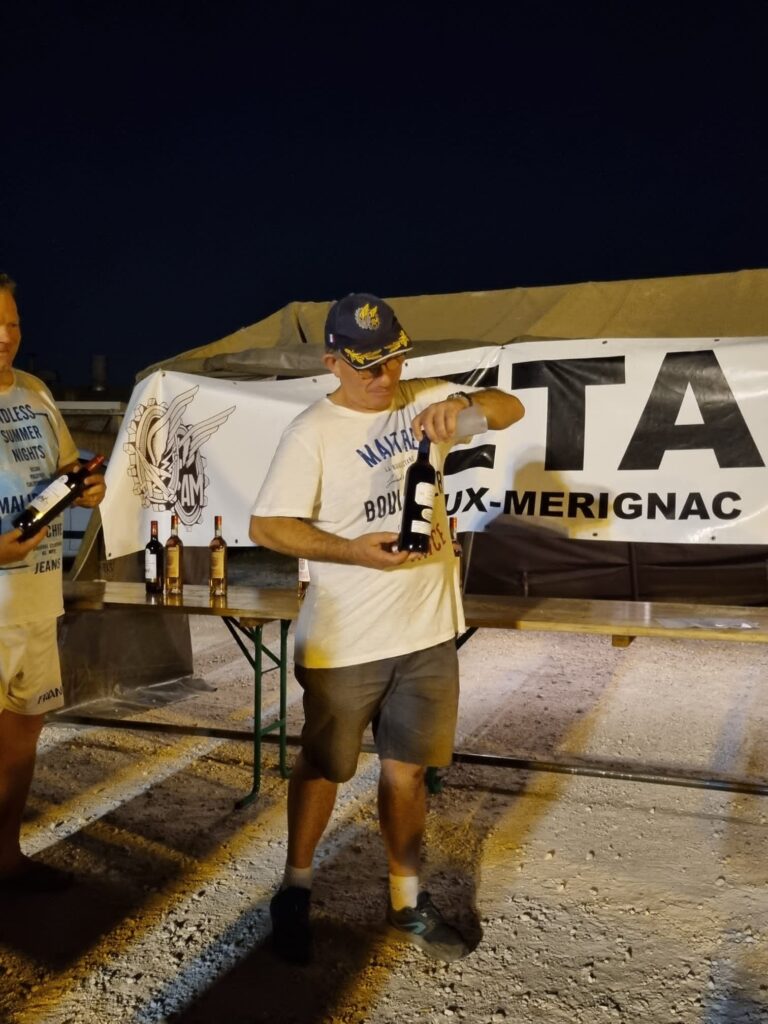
[57, 496]
[174, 560]
[303, 578]
[418, 502]
[153, 562]
[217, 561]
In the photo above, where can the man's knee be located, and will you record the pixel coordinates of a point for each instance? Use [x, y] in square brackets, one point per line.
[333, 766]
[401, 774]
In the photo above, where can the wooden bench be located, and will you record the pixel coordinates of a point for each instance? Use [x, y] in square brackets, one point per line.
[247, 609]
[621, 620]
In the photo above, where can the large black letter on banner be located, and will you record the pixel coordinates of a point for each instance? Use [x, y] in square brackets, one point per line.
[566, 381]
[724, 429]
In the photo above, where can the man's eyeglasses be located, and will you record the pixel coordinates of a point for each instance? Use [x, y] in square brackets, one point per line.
[390, 365]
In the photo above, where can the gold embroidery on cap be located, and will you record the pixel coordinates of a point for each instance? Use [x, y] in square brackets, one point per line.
[401, 341]
[364, 358]
[361, 358]
[367, 317]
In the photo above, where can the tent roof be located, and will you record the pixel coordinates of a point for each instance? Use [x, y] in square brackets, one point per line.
[289, 342]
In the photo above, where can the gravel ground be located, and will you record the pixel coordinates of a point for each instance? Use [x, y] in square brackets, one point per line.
[587, 899]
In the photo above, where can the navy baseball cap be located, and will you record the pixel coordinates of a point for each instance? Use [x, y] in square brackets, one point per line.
[363, 330]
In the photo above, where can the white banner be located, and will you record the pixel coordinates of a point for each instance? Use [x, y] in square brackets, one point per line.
[662, 440]
[623, 439]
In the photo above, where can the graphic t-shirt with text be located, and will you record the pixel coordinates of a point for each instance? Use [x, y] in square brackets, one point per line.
[343, 471]
[34, 443]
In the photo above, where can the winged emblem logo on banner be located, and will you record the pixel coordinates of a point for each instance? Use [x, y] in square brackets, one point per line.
[165, 458]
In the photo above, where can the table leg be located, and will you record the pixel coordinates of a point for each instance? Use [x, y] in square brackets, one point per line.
[256, 634]
[284, 624]
[252, 628]
[433, 781]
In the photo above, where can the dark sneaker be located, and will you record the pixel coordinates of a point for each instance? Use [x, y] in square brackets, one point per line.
[426, 927]
[289, 910]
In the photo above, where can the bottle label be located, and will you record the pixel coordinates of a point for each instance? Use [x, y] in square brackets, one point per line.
[150, 565]
[51, 496]
[425, 495]
[421, 526]
[217, 563]
[303, 570]
[172, 562]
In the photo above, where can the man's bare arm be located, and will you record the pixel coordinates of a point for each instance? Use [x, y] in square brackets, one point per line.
[500, 409]
[300, 539]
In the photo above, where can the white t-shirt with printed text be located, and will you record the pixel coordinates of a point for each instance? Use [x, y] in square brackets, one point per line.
[34, 443]
[343, 471]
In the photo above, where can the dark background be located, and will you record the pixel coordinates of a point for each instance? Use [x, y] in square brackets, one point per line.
[172, 172]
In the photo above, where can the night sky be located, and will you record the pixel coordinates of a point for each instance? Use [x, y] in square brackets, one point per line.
[176, 171]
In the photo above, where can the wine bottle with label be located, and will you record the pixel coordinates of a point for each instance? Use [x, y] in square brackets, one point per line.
[57, 496]
[174, 560]
[217, 561]
[153, 562]
[418, 502]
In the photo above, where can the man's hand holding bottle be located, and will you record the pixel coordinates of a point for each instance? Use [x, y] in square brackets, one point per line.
[93, 492]
[377, 551]
[438, 420]
[13, 549]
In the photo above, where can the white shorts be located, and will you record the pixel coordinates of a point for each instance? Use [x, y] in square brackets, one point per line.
[30, 673]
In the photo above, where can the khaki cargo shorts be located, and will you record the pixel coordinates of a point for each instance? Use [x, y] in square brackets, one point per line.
[411, 701]
[30, 673]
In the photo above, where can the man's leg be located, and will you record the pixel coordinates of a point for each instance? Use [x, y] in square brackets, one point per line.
[310, 802]
[18, 746]
[402, 814]
[416, 728]
[30, 681]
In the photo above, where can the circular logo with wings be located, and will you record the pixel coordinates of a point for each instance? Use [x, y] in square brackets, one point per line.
[166, 463]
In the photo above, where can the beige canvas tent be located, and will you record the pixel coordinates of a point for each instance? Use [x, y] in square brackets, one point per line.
[289, 342]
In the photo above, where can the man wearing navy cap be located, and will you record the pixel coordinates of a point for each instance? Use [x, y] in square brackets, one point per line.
[375, 637]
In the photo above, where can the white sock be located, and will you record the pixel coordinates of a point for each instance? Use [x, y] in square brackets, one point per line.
[403, 891]
[301, 877]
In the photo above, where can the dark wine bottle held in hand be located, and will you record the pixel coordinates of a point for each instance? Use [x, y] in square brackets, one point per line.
[418, 502]
[57, 496]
